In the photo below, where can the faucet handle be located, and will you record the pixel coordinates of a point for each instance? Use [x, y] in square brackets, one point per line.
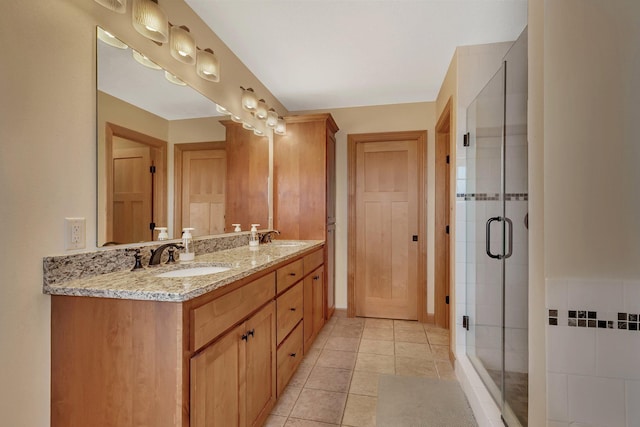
[138, 258]
[171, 250]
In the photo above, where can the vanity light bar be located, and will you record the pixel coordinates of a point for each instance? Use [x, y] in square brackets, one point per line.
[142, 59]
[174, 79]
[118, 6]
[110, 39]
[150, 20]
[207, 65]
[183, 45]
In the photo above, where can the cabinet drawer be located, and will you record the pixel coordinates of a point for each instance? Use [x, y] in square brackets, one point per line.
[313, 261]
[289, 308]
[289, 357]
[289, 274]
[213, 318]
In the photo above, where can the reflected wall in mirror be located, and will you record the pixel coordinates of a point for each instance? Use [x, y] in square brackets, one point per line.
[166, 159]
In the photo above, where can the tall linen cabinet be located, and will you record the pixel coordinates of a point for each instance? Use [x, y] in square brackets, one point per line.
[305, 189]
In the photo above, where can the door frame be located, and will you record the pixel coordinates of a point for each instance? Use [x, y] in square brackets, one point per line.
[442, 249]
[420, 136]
[158, 152]
[178, 149]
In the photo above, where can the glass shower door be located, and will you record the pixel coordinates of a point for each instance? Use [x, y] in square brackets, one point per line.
[485, 233]
[497, 242]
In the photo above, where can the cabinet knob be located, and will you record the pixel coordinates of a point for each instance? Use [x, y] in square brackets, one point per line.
[316, 277]
[251, 332]
[292, 309]
[292, 355]
[292, 274]
[245, 337]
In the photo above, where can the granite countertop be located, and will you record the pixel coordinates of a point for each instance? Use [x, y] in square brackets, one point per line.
[144, 285]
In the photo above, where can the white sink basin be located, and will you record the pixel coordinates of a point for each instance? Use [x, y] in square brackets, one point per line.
[285, 243]
[194, 271]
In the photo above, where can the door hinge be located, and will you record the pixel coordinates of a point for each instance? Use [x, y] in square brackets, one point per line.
[152, 226]
[446, 300]
[448, 159]
[465, 139]
[465, 322]
[152, 169]
[446, 229]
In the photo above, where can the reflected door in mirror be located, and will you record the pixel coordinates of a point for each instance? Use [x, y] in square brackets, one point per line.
[203, 191]
[135, 185]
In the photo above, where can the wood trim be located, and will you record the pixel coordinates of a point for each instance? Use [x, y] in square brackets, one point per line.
[160, 154]
[352, 141]
[430, 318]
[442, 258]
[322, 117]
[178, 149]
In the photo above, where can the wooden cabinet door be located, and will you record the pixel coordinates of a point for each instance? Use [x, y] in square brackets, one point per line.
[260, 372]
[215, 382]
[313, 306]
[317, 279]
[307, 322]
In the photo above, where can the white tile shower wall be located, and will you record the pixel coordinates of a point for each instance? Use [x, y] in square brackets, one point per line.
[593, 368]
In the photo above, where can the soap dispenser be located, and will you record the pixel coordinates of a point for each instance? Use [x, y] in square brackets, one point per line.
[162, 235]
[187, 242]
[237, 228]
[254, 239]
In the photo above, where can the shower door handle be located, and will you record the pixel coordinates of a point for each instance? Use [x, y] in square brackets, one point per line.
[508, 221]
[488, 231]
[488, 239]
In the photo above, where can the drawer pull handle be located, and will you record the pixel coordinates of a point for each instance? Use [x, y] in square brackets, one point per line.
[251, 332]
[292, 355]
[245, 337]
[292, 309]
[292, 274]
[316, 277]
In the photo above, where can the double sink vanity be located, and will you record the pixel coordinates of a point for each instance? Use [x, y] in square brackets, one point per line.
[209, 343]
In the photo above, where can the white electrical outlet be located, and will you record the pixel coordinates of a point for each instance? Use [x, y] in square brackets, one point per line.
[75, 233]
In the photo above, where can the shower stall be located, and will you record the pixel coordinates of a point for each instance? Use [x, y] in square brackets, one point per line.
[495, 199]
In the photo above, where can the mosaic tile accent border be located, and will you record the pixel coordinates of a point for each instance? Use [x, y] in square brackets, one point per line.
[63, 268]
[589, 319]
[479, 197]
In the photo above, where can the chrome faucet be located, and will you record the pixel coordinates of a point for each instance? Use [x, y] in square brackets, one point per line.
[156, 255]
[268, 236]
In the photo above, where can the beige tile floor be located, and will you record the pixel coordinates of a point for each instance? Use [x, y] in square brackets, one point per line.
[337, 381]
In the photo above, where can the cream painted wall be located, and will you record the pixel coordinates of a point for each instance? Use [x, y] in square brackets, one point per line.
[47, 167]
[535, 129]
[47, 158]
[591, 149]
[384, 118]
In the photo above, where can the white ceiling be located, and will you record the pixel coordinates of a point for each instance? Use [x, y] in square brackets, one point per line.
[317, 54]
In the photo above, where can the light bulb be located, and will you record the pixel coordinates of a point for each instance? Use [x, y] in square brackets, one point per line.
[183, 45]
[207, 65]
[249, 99]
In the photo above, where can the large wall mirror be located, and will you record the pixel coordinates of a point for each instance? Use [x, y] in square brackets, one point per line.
[167, 157]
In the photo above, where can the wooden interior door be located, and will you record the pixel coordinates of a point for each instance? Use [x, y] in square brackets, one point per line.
[132, 193]
[203, 191]
[386, 271]
[442, 265]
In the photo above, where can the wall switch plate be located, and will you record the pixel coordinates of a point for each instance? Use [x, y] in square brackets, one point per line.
[75, 233]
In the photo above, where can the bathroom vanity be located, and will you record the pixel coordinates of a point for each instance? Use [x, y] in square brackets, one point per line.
[132, 349]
